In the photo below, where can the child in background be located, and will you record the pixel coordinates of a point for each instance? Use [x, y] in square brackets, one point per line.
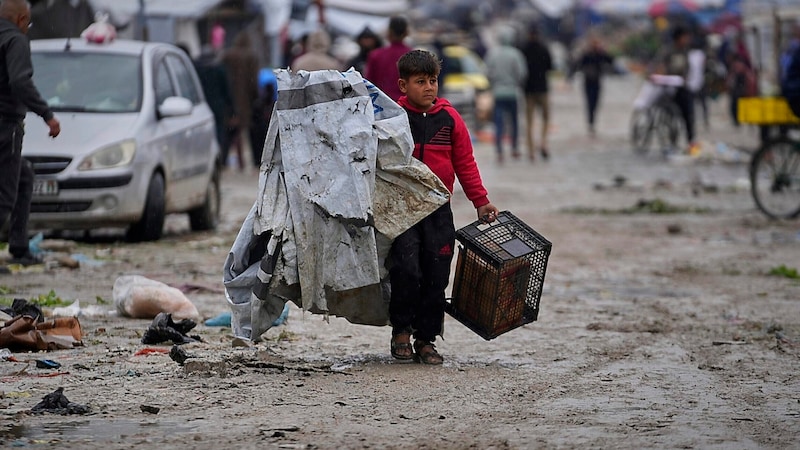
[420, 257]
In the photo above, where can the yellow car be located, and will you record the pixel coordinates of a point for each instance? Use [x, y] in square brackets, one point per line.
[464, 68]
[465, 83]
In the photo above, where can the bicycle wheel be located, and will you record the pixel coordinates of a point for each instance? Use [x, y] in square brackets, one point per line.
[641, 130]
[667, 125]
[775, 179]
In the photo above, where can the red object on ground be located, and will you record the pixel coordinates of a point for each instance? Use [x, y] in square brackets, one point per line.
[660, 8]
[151, 350]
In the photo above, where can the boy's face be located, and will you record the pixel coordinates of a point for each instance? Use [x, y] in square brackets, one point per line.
[420, 89]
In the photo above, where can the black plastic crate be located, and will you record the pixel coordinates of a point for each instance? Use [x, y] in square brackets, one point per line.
[499, 275]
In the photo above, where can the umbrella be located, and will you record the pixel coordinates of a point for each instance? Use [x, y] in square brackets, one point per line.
[725, 21]
[659, 8]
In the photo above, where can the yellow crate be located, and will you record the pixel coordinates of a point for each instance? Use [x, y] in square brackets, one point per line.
[765, 111]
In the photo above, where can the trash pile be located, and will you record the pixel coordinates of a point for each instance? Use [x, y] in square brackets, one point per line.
[337, 184]
[28, 330]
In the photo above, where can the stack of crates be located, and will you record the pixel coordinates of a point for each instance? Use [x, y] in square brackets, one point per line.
[499, 275]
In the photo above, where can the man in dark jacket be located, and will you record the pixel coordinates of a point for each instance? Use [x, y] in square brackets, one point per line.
[17, 95]
[593, 62]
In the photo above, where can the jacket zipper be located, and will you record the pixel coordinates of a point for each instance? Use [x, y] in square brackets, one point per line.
[424, 135]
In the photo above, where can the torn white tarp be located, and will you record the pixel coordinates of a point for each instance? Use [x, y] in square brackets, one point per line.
[337, 184]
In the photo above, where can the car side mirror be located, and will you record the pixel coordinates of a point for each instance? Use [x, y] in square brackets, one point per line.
[175, 106]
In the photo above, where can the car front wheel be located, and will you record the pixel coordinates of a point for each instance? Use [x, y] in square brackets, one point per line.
[206, 216]
[151, 225]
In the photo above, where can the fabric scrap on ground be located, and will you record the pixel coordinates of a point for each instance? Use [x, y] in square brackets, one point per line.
[23, 333]
[57, 403]
[164, 329]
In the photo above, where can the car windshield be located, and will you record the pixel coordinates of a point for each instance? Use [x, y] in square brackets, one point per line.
[89, 82]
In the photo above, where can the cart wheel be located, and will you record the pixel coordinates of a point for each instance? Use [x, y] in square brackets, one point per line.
[775, 179]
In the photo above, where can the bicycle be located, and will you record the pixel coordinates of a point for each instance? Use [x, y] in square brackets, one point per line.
[655, 113]
[775, 166]
[775, 178]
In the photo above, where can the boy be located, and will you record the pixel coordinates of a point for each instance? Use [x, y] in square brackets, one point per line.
[420, 257]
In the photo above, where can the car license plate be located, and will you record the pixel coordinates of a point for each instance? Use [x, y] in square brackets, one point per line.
[45, 188]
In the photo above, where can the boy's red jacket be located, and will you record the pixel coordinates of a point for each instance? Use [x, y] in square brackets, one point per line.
[442, 142]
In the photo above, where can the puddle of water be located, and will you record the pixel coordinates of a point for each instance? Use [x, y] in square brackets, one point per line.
[98, 430]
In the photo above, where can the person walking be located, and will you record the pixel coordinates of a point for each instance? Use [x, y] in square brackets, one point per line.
[367, 42]
[507, 71]
[592, 63]
[420, 257]
[739, 65]
[696, 79]
[381, 67]
[316, 56]
[18, 94]
[214, 81]
[540, 62]
[262, 112]
[241, 64]
[674, 60]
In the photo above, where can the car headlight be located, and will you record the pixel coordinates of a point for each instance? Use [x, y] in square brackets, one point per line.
[117, 155]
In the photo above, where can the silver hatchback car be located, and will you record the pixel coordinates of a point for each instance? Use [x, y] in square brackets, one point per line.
[137, 139]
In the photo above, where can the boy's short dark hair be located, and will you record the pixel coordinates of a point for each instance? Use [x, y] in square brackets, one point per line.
[418, 62]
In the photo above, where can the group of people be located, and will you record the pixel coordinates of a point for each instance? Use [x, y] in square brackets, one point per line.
[241, 96]
[704, 73]
[513, 69]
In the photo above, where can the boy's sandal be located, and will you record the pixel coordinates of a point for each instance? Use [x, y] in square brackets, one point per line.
[425, 352]
[401, 346]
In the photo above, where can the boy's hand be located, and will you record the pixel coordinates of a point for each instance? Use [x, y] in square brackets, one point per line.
[487, 213]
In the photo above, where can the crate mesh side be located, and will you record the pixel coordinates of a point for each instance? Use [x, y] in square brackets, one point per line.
[492, 239]
[499, 276]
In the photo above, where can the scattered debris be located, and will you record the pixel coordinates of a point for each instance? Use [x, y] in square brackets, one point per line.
[24, 333]
[57, 403]
[643, 206]
[75, 310]
[178, 354]
[150, 409]
[21, 307]
[84, 260]
[220, 320]
[142, 298]
[163, 329]
[151, 351]
[674, 228]
[47, 364]
[68, 262]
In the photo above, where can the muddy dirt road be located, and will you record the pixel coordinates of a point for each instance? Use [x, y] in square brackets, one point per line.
[656, 330]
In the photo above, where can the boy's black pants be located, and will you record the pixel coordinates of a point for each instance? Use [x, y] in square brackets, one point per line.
[420, 271]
